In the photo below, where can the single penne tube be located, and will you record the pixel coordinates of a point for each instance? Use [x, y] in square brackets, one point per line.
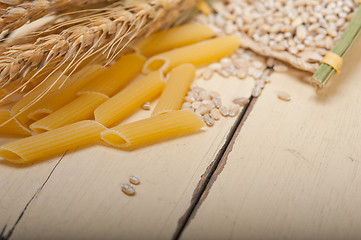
[176, 37]
[152, 129]
[81, 108]
[130, 99]
[175, 89]
[52, 143]
[117, 76]
[10, 125]
[198, 54]
[51, 104]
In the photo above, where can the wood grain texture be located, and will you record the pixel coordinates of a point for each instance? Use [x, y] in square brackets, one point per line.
[83, 199]
[294, 170]
[18, 186]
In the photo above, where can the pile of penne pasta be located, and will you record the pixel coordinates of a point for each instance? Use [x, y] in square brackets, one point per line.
[96, 100]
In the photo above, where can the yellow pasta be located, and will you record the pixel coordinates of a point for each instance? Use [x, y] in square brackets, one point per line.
[117, 76]
[199, 53]
[152, 129]
[165, 40]
[175, 89]
[5, 98]
[48, 105]
[131, 98]
[52, 143]
[9, 125]
[204, 7]
[81, 108]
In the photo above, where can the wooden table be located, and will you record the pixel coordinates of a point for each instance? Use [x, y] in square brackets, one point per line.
[281, 170]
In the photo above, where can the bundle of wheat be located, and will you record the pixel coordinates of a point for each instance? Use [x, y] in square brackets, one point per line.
[87, 34]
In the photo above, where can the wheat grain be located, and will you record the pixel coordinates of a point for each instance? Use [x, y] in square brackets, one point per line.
[128, 189]
[134, 180]
[284, 96]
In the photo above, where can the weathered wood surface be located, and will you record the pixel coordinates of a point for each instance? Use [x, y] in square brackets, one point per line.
[79, 195]
[294, 170]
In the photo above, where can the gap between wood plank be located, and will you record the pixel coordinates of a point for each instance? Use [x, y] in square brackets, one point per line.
[7, 236]
[213, 170]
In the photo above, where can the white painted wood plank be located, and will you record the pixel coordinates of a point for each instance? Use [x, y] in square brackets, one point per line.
[294, 170]
[83, 197]
[18, 185]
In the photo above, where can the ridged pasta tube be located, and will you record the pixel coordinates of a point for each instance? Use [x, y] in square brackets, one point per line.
[176, 37]
[81, 108]
[130, 99]
[198, 54]
[117, 76]
[152, 129]
[175, 89]
[52, 143]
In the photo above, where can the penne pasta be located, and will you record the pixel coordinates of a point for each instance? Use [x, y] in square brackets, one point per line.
[81, 108]
[199, 53]
[9, 125]
[51, 104]
[117, 76]
[131, 98]
[152, 129]
[175, 89]
[52, 143]
[165, 40]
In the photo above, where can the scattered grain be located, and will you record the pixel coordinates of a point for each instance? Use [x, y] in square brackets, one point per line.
[208, 119]
[234, 110]
[242, 101]
[256, 91]
[189, 99]
[128, 189]
[207, 74]
[134, 180]
[224, 111]
[196, 104]
[215, 114]
[283, 96]
[146, 106]
[217, 102]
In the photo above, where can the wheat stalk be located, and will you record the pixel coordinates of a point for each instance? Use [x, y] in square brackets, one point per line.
[19, 14]
[100, 31]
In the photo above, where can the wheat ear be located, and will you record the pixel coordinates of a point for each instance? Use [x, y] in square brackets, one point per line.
[19, 14]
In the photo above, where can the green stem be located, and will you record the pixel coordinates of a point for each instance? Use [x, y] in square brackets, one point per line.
[325, 72]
